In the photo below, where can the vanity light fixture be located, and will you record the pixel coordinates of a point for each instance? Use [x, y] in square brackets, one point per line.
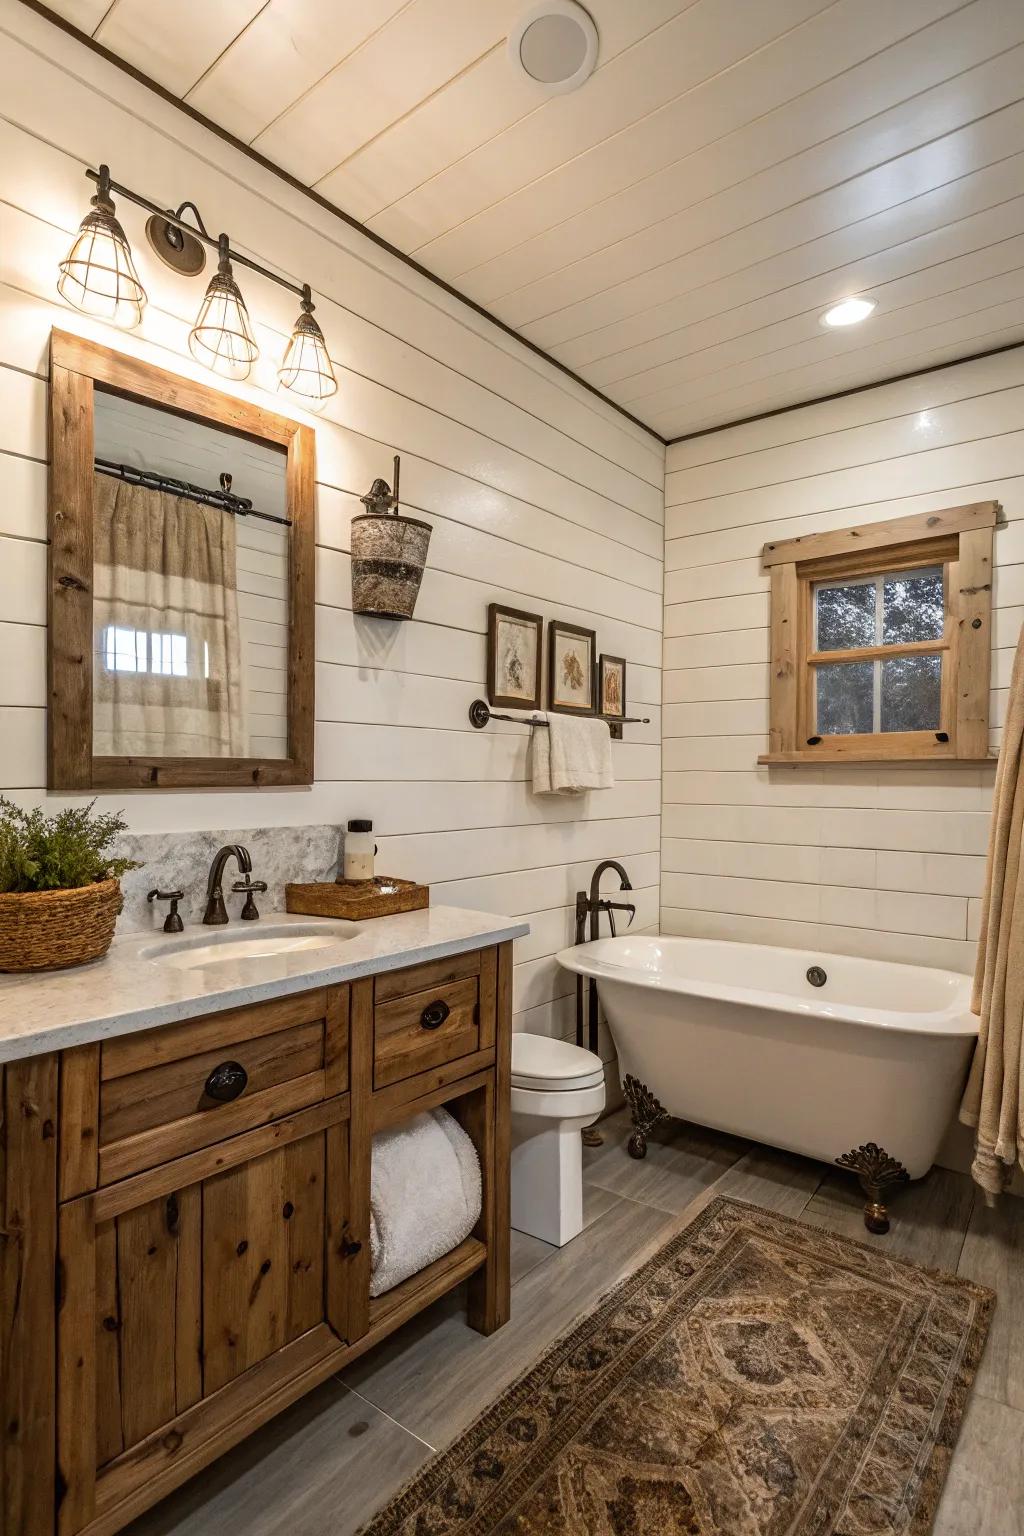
[99, 277]
[848, 312]
[98, 274]
[306, 369]
[222, 336]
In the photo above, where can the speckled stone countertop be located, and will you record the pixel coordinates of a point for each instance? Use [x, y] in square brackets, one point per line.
[138, 983]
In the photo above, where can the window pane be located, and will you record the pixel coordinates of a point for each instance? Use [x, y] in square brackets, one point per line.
[911, 693]
[845, 616]
[912, 607]
[845, 697]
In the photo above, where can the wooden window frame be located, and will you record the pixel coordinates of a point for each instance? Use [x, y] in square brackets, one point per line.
[959, 539]
[76, 367]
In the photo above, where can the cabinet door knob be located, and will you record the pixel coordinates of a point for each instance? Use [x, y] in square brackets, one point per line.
[226, 1082]
[434, 1014]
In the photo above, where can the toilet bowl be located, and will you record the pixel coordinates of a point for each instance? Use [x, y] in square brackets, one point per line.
[557, 1090]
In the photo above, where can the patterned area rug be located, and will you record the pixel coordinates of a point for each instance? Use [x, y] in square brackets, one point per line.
[756, 1377]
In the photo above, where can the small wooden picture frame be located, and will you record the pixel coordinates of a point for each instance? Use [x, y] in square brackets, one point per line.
[572, 670]
[611, 687]
[515, 643]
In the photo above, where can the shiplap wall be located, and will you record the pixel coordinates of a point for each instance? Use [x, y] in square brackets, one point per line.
[877, 861]
[537, 492]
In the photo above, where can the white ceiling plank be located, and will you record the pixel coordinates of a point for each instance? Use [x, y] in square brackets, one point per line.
[898, 302]
[940, 164]
[747, 281]
[961, 335]
[927, 258]
[427, 44]
[442, 221]
[889, 104]
[483, 101]
[288, 47]
[86, 15]
[174, 44]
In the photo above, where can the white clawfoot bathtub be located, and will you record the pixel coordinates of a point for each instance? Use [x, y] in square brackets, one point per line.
[736, 1037]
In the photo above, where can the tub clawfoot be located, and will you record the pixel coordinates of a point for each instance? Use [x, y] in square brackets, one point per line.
[876, 1171]
[647, 1112]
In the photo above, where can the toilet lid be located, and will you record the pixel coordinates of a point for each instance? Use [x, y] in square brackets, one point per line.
[553, 1065]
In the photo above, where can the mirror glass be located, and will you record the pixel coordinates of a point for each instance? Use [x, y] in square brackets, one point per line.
[190, 593]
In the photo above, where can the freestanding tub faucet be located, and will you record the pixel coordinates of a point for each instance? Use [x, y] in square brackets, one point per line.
[589, 907]
[216, 912]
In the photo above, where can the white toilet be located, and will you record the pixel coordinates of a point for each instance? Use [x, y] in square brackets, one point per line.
[557, 1090]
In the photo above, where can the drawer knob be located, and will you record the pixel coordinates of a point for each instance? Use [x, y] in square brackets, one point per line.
[434, 1015]
[226, 1082]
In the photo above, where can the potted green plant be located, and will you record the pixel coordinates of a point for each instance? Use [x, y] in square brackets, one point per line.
[59, 886]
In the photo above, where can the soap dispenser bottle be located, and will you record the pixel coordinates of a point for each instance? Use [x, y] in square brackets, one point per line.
[359, 851]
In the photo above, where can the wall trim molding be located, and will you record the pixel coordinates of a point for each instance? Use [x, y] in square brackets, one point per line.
[68, 27]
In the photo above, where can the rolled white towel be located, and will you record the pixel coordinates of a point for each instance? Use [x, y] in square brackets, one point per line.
[425, 1196]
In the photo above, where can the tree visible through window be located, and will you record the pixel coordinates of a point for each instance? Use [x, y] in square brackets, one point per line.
[879, 694]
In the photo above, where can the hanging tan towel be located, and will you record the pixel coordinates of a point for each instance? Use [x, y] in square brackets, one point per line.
[992, 1100]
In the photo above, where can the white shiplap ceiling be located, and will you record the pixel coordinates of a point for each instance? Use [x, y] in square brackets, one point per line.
[672, 230]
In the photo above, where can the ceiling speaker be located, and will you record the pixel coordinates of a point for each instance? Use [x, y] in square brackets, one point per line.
[555, 45]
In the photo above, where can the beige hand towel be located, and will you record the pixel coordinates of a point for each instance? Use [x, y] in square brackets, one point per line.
[993, 1102]
[572, 756]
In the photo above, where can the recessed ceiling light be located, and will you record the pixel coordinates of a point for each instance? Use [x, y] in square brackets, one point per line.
[848, 312]
[555, 44]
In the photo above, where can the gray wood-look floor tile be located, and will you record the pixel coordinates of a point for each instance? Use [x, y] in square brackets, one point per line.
[527, 1252]
[435, 1375]
[765, 1176]
[325, 1464]
[984, 1494]
[929, 1217]
[682, 1161]
[993, 1254]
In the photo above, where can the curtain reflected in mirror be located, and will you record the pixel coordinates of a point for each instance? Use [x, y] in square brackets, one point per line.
[190, 599]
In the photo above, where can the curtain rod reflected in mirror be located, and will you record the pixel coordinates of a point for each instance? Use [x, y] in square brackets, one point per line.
[238, 506]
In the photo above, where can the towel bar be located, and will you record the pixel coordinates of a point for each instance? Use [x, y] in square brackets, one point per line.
[480, 712]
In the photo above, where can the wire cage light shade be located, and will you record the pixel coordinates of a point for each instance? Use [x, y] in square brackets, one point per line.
[98, 274]
[222, 337]
[306, 368]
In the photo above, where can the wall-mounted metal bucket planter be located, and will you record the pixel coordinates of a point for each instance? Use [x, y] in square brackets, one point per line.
[389, 552]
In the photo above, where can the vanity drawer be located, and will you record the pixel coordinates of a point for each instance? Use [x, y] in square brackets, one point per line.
[425, 1029]
[175, 1089]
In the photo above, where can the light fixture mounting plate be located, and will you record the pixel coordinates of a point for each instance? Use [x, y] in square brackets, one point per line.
[176, 248]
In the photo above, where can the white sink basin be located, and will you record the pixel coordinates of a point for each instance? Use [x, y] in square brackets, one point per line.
[242, 946]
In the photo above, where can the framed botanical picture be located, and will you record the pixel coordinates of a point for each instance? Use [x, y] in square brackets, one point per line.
[514, 646]
[571, 668]
[611, 687]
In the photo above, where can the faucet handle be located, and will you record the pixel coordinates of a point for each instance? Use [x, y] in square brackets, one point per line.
[250, 912]
[172, 922]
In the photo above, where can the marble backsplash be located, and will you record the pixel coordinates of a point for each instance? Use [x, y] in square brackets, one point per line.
[180, 861]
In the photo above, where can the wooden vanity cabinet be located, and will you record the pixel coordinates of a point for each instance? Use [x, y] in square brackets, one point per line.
[210, 1257]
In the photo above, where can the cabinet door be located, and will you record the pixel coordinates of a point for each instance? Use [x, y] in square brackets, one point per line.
[192, 1297]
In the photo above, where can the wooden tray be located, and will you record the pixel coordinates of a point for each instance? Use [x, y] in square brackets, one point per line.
[380, 897]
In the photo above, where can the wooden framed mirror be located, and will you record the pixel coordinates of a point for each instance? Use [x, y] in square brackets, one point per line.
[181, 581]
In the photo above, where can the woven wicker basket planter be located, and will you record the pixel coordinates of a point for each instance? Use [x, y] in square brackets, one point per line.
[50, 930]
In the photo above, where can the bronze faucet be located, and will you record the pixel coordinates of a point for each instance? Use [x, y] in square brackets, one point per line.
[216, 912]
